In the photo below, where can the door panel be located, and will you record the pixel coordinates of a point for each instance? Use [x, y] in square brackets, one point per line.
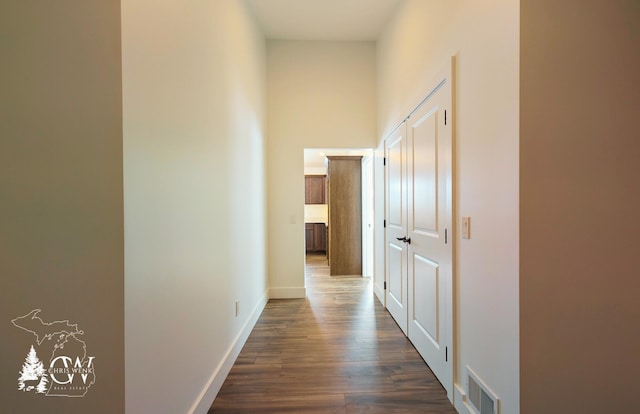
[395, 164]
[425, 298]
[396, 286]
[395, 250]
[424, 174]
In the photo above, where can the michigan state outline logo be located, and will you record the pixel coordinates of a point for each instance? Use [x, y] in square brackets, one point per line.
[57, 365]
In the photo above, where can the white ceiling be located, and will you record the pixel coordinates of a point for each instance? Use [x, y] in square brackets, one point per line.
[353, 20]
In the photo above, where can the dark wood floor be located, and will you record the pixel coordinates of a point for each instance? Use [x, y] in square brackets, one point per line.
[337, 351]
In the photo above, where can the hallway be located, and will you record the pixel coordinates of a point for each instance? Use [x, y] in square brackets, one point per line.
[337, 351]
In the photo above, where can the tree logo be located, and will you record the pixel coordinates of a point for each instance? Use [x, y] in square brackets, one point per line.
[33, 376]
[70, 371]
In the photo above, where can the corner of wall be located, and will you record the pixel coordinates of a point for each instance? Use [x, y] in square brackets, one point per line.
[288, 293]
[213, 386]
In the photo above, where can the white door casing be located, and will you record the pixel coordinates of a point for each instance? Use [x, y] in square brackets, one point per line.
[379, 230]
[367, 216]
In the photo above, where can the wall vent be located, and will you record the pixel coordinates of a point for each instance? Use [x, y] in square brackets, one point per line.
[482, 399]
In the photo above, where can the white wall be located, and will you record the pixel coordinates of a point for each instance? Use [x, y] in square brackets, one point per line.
[484, 38]
[319, 95]
[194, 167]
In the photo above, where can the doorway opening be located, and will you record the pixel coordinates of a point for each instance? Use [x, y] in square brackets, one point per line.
[339, 210]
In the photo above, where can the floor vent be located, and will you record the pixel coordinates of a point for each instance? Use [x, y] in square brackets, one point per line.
[482, 399]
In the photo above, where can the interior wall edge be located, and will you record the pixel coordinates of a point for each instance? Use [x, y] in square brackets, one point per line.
[211, 389]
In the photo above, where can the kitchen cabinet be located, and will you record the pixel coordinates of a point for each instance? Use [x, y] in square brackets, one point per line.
[315, 237]
[315, 189]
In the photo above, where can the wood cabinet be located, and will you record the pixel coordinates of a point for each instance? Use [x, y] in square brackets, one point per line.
[345, 215]
[315, 189]
[315, 237]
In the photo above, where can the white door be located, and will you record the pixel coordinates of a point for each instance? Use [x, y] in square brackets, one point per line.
[396, 222]
[429, 182]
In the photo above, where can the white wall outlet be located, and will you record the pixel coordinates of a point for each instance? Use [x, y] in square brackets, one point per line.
[237, 308]
[466, 227]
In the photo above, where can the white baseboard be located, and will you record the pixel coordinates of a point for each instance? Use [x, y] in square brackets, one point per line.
[460, 401]
[288, 293]
[210, 391]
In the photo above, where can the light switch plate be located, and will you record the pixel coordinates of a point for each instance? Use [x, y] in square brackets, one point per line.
[466, 227]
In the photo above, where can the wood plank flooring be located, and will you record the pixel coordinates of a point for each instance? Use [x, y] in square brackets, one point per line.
[337, 351]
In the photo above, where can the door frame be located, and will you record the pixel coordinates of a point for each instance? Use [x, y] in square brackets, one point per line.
[322, 170]
[379, 228]
[368, 216]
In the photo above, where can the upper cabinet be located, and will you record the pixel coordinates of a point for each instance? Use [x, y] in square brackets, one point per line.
[315, 189]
